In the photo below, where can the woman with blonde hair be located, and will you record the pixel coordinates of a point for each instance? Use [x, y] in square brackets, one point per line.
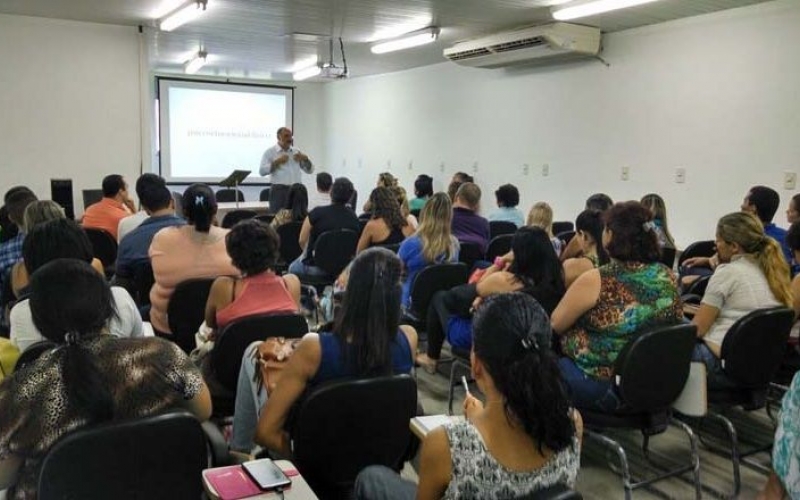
[541, 215]
[655, 204]
[752, 275]
[402, 200]
[433, 242]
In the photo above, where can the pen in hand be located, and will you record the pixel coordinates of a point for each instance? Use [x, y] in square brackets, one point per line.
[466, 386]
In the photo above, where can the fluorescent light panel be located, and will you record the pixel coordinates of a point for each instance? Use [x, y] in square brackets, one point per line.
[594, 7]
[183, 15]
[307, 72]
[413, 39]
[193, 65]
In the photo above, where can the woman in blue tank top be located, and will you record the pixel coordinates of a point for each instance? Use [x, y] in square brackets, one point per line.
[365, 341]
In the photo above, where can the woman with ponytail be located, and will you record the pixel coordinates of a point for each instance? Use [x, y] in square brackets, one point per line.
[524, 438]
[753, 275]
[179, 253]
[589, 234]
[89, 378]
[366, 340]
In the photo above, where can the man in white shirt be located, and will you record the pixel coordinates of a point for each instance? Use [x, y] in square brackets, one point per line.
[283, 163]
[322, 196]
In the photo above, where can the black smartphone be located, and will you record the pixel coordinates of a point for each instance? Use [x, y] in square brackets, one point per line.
[266, 474]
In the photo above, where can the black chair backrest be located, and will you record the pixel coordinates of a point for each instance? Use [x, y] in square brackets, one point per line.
[652, 369]
[264, 194]
[103, 244]
[562, 227]
[226, 358]
[234, 216]
[91, 196]
[266, 218]
[668, 256]
[32, 353]
[704, 248]
[186, 310]
[754, 346]
[228, 195]
[290, 241]
[143, 281]
[394, 247]
[500, 245]
[362, 223]
[333, 250]
[565, 236]
[469, 253]
[500, 227]
[161, 456]
[344, 426]
[698, 286]
[432, 279]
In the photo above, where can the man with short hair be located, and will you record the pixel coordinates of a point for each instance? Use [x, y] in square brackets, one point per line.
[115, 206]
[763, 202]
[322, 196]
[284, 164]
[156, 200]
[467, 225]
[11, 250]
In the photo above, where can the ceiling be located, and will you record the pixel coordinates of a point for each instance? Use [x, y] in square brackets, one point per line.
[258, 38]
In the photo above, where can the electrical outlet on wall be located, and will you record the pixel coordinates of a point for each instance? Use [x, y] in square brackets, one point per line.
[411, 164]
[789, 180]
[441, 167]
[475, 167]
[526, 169]
[545, 170]
[680, 175]
[626, 173]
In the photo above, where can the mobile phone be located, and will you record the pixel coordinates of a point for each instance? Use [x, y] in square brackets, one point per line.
[466, 385]
[266, 474]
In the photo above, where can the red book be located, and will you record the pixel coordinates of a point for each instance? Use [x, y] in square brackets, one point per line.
[232, 483]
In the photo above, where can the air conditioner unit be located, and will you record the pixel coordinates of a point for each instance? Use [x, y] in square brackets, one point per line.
[544, 44]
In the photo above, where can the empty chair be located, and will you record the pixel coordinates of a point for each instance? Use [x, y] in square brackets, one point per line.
[234, 216]
[562, 226]
[104, 246]
[186, 311]
[650, 372]
[161, 456]
[333, 250]
[290, 243]
[428, 281]
[500, 227]
[470, 253]
[228, 195]
[565, 236]
[342, 427]
[499, 246]
[698, 286]
[704, 248]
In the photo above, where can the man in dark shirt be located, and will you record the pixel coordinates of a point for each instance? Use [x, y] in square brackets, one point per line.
[467, 225]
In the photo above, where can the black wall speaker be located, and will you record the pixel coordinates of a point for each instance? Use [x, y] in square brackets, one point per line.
[61, 193]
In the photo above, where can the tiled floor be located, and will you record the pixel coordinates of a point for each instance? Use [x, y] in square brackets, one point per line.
[597, 481]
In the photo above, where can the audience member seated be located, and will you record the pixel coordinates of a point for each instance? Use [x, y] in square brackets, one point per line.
[322, 195]
[462, 177]
[606, 307]
[36, 213]
[523, 439]
[598, 201]
[423, 190]
[253, 247]
[328, 218]
[296, 209]
[115, 206]
[763, 202]
[64, 239]
[507, 197]
[589, 233]
[90, 379]
[156, 199]
[387, 226]
[131, 222]
[793, 240]
[784, 480]
[655, 204]
[541, 215]
[8, 229]
[468, 226]
[196, 250]
[752, 275]
[385, 179]
[793, 212]
[365, 341]
[531, 267]
[11, 250]
[431, 244]
[402, 200]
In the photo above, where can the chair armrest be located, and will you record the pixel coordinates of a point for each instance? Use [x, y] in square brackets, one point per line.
[219, 454]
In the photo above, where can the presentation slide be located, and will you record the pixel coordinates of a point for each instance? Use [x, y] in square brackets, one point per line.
[208, 129]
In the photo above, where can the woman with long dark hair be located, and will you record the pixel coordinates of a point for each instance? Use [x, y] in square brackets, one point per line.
[589, 234]
[89, 378]
[533, 436]
[366, 340]
[531, 267]
[387, 226]
[296, 209]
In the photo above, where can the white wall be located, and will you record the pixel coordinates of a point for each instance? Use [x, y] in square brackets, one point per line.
[718, 95]
[69, 103]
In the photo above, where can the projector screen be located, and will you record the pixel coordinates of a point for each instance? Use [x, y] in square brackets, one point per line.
[206, 130]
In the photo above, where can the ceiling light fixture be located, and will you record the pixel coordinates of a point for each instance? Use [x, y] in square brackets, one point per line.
[594, 7]
[183, 15]
[193, 65]
[413, 39]
[308, 72]
[304, 63]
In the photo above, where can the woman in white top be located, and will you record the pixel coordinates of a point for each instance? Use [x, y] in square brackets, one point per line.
[523, 439]
[58, 239]
[753, 275]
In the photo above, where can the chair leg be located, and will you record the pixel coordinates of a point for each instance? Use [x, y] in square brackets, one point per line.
[623, 459]
[698, 486]
[731, 430]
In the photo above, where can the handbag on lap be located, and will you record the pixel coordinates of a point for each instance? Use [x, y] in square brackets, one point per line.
[271, 357]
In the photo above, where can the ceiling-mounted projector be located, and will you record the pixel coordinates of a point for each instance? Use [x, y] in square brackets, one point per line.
[330, 70]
